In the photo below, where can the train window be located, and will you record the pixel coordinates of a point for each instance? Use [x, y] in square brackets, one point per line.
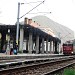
[67, 44]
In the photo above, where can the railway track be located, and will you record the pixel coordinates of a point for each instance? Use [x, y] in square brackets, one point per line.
[39, 66]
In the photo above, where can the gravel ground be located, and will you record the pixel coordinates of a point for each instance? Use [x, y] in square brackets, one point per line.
[37, 70]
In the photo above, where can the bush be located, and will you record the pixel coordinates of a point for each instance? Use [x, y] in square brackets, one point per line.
[69, 72]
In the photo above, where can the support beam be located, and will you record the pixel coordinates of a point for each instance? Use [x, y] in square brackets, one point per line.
[30, 43]
[56, 47]
[21, 39]
[51, 46]
[59, 47]
[27, 44]
[8, 44]
[43, 48]
[37, 44]
[47, 46]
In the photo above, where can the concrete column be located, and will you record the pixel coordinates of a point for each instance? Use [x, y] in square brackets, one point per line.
[26, 44]
[30, 43]
[0, 40]
[40, 46]
[37, 44]
[59, 47]
[43, 48]
[47, 46]
[53, 47]
[21, 39]
[56, 47]
[33, 46]
[8, 45]
[50, 47]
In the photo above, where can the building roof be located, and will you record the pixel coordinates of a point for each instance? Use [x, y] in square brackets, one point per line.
[60, 31]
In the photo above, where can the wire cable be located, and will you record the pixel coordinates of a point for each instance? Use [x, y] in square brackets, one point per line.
[32, 9]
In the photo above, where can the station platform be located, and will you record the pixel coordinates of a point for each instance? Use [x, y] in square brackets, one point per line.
[27, 56]
[23, 54]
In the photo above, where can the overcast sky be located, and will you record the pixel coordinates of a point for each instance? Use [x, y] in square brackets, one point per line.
[63, 11]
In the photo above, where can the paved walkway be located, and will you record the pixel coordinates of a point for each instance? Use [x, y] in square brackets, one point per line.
[4, 54]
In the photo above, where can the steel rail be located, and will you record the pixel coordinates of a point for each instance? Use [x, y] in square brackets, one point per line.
[31, 62]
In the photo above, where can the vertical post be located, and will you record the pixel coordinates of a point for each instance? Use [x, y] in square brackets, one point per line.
[56, 47]
[53, 46]
[50, 47]
[37, 44]
[30, 43]
[0, 41]
[21, 39]
[27, 45]
[59, 47]
[43, 48]
[8, 44]
[17, 31]
[47, 45]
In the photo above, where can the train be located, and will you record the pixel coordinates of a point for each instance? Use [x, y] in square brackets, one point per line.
[68, 48]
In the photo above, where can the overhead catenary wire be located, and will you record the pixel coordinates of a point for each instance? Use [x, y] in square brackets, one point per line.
[31, 2]
[32, 9]
[37, 8]
[41, 12]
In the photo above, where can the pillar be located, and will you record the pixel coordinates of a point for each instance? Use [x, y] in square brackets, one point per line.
[59, 47]
[30, 43]
[43, 48]
[34, 46]
[8, 43]
[0, 41]
[24, 46]
[50, 47]
[40, 45]
[8, 47]
[56, 47]
[47, 46]
[53, 46]
[21, 39]
[37, 44]
[27, 44]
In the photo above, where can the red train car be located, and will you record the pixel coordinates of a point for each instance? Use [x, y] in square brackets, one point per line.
[68, 48]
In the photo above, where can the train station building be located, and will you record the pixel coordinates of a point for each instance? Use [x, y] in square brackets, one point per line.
[32, 38]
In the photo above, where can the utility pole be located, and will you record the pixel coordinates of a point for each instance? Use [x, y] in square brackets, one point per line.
[17, 30]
